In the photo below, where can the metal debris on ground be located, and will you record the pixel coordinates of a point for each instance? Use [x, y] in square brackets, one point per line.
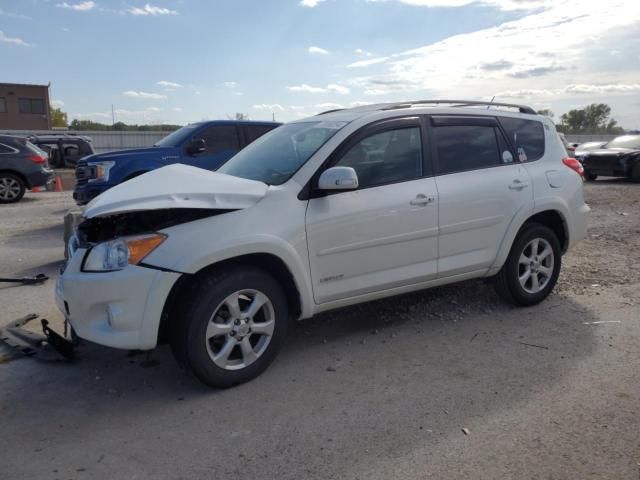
[16, 341]
[39, 278]
[601, 321]
[465, 431]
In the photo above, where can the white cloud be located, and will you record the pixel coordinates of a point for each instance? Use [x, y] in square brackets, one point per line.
[501, 4]
[230, 84]
[177, 109]
[296, 107]
[310, 3]
[269, 107]
[329, 105]
[166, 83]
[318, 50]
[341, 89]
[121, 115]
[152, 10]
[57, 103]
[78, 7]
[360, 51]
[139, 94]
[603, 89]
[366, 63]
[532, 56]
[13, 40]
[14, 15]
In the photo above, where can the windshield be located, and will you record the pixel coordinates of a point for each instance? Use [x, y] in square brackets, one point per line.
[276, 156]
[176, 138]
[626, 141]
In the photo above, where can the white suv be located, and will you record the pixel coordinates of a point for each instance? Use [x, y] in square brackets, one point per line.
[340, 208]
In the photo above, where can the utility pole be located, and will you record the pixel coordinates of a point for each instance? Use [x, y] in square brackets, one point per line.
[273, 116]
[113, 116]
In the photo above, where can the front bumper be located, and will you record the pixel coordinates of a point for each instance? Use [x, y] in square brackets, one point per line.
[118, 309]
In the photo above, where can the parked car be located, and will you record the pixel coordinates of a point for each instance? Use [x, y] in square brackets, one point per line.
[583, 148]
[618, 158]
[321, 213]
[64, 149]
[206, 145]
[22, 166]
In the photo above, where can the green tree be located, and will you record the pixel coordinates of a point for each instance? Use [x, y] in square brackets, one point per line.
[594, 118]
[58, 117]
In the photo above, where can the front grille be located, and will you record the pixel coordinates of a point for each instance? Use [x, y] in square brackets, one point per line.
[84, 173]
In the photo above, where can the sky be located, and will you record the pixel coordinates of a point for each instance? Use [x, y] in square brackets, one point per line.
[180, 61]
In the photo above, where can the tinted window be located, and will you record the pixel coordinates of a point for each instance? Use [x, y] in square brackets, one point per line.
[526, 135]
[466, 148]
[386, 157]
[256, 131]
[220, 138]
[3, 105]
[5, 149]
[174, 139]
[31, 105]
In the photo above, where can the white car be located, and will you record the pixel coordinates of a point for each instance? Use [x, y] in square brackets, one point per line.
[333, 210]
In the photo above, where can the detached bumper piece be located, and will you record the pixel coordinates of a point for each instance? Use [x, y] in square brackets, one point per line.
[16, 341]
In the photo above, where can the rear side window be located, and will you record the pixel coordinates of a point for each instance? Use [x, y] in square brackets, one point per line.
[466, 147]
[256, 131]
[220, 138]
[526, 135]
[5, 149]
[386, 157]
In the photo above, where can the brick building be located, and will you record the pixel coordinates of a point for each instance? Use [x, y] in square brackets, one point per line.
[24, 107]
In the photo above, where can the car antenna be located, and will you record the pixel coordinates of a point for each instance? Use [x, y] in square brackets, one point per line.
[492, 99]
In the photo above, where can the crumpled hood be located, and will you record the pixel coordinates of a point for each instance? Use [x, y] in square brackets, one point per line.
[178, 186]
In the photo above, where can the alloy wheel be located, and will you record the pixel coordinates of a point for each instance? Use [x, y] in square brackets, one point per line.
[9, 188]
[535, 265]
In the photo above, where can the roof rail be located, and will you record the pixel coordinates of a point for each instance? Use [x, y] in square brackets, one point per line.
[461, 103]
[330, 111]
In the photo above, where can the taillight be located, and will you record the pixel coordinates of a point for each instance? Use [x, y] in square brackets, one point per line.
[38, 159]
[574, 165]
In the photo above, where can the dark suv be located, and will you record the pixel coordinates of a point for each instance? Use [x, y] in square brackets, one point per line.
[205, 144]
[22, 166]
[64, 149]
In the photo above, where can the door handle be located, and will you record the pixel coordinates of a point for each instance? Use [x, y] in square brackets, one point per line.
[422, 200]
[518, 185]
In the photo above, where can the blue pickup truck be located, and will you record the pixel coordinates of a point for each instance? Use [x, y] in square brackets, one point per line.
[205, 144]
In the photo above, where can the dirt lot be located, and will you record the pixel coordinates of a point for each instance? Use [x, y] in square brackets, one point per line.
[376, 391]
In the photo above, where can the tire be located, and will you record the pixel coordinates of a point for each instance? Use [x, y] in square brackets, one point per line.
[590, 176]
[197, 340]
[12, 188]
[545, 268]
[635, 173]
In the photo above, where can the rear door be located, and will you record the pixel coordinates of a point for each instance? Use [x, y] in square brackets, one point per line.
[481, 187]
[384, 234]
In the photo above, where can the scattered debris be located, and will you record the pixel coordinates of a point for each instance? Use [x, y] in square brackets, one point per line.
[473, 338]
[331, 369]
[601, 321]
[39, 278]
[534, 345]
[21, 342]
[465, 431]
[594, 285]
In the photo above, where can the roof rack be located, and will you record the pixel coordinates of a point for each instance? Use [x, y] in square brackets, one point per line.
[330, 111]
[460, 103]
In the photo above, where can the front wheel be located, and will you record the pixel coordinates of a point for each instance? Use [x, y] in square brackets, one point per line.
[590, 176]
[234, 323]
[532, 268]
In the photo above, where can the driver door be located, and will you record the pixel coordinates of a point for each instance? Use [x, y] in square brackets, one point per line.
[384, 234]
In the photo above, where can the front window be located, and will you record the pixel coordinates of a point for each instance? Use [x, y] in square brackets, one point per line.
[277, 155]
[625, 141]
[176, 138]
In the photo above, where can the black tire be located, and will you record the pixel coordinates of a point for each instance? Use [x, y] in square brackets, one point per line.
[507, 282]
[635, 173]
[188, 331]
[590, 176]
[12, 188]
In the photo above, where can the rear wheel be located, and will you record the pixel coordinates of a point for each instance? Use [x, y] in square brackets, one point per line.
[590, 176]
[12, 188]
[233, 325]
[532, 268]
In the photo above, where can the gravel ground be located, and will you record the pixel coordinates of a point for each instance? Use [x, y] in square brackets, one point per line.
[377, 391]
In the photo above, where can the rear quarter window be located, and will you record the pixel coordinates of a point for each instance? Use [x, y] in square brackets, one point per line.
[526, 135]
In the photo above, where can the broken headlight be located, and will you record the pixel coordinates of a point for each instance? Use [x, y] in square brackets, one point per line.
[117, 254]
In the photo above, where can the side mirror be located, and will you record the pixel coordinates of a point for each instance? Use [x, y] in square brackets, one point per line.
[338, 178]
[196, 145]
